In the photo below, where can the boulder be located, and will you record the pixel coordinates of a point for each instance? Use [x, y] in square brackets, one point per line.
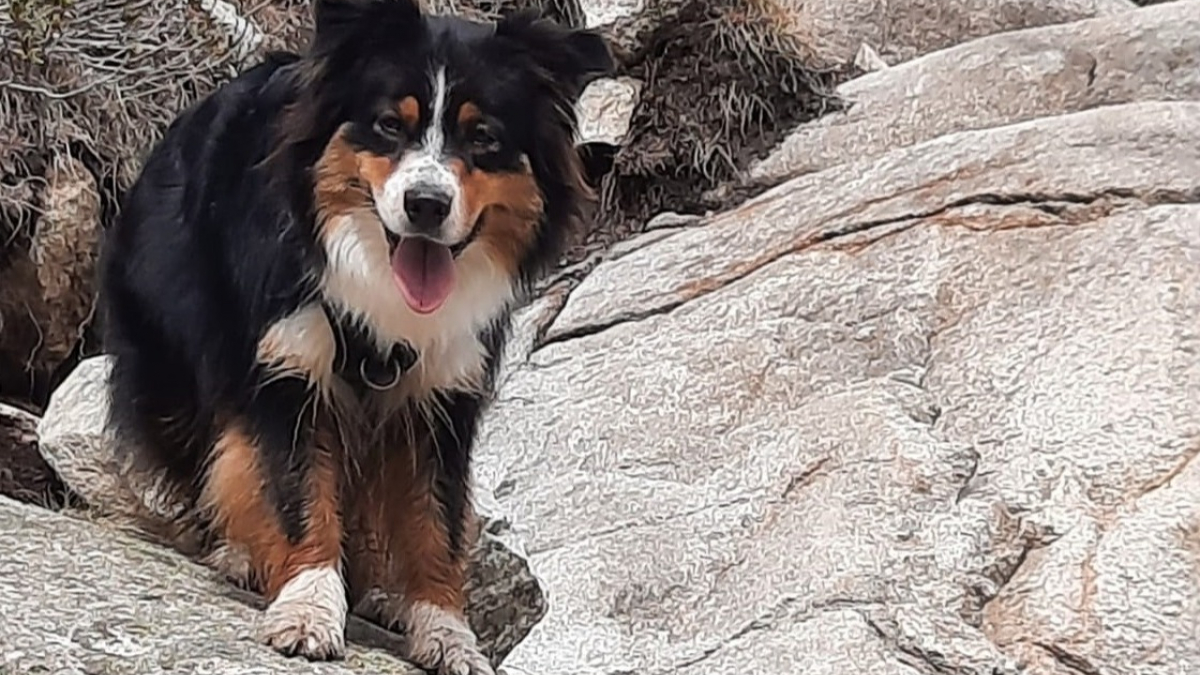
[928, 412]
[899, 31]
[505, 599]
[1147, 54]
[81, 599]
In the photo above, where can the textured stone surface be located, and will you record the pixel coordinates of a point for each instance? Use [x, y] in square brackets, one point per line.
[79, 599]
[930, 409]
[833, 31]
[1154, 144]
[927, 413]
[505, 599]
[605, 109]
[899, 30]
[1148, 54]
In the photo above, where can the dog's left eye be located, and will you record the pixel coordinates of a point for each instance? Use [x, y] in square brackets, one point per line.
[483, 140]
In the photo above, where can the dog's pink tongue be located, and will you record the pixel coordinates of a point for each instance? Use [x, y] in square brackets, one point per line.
[424, 271]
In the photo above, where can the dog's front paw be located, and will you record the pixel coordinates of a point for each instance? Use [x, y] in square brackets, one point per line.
[308, 618]
[443, 643]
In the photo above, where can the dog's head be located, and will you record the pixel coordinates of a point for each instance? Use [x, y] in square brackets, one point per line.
[444, 148]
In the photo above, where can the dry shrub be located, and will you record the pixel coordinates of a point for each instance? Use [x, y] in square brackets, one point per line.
[285, 24]
[724, 81]
[97, 80]
[46, 284]
[85, 87]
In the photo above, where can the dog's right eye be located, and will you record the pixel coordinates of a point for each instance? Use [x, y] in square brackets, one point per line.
[390, 126]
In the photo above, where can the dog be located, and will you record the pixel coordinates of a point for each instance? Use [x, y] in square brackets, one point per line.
[307, 291]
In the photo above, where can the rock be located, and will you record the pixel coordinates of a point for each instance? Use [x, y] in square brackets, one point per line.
[945, 173]
[505, 598]
[832, 32]
[108, 604]
[605, 109]
[1146, 54]
[900, 31]
[929, 412]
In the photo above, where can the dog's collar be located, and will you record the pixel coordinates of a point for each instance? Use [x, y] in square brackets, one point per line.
[359, 363]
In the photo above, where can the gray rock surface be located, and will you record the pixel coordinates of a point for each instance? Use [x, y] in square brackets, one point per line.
[605, 110]
[931, 412]
[1147, 54]
[505, 599]
[79, 599]
[900, 30]
[832, 32]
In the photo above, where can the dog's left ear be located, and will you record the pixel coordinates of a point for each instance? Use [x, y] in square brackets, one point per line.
[571, 57]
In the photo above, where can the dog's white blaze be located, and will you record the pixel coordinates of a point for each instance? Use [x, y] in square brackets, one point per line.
[435, 134]
[425, 165]
[359, 280]
[301, 343]
[309, 611]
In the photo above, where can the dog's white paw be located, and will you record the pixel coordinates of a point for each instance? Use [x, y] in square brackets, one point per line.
[308, 618]
[443, 643]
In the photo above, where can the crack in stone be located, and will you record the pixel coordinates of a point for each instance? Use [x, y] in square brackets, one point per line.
[1072, 662]
[1189, 455]
[803, 479]
[1005, 576]
[930, 662]
[967, 487]
[1038, 200]
[628, 525]
[769, 619]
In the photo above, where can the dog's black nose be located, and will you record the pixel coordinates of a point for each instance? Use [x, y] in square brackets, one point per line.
[426, 208]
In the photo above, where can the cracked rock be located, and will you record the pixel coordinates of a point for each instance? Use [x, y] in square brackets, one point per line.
[905, 29]
[109, 604]
[1149, 151]
[931, 412]
[1146, 54]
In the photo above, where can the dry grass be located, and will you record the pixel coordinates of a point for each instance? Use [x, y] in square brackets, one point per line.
[97, 80]
[92, 84]
[724, 81]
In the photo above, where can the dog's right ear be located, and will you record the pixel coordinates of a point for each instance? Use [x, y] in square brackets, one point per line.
[338, 21]
[572, 57]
